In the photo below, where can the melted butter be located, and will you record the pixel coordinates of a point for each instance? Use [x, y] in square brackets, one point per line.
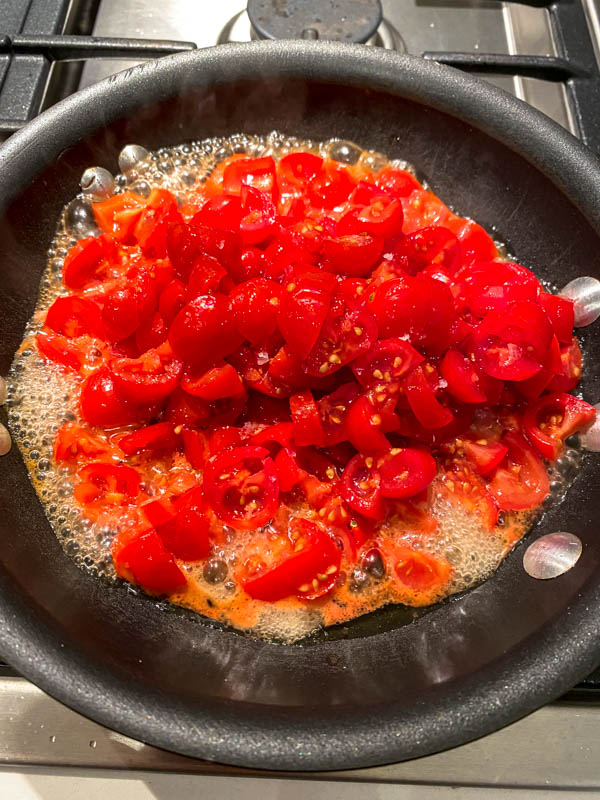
[455, 535]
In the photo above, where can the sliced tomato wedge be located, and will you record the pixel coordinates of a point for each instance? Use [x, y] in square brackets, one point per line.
[147, 379]
[185, 531]
[334, 409]
[520, 482]
[203, 330]
[297, 169]
[258, 216]
[102, 404]
[303, 309]
[387, 361]
[465, 382]
[352, 254]
[213, 384]
[423, 401]
[60, 350]
[72, 441]
[571, 363]
[432, 245]
[485, 455]
[75, 316]
[406, 472]
[361, 487]
[314, 559]
[254, 305]
[241, 487]
[365, 428]
[420, 572]
[114, 484]
[306, 420]
[83, 261]
[494, 285]
[561, 314]
[118, 215]
[144, 560]
[551, 419]
[258, 173]
[159, 437]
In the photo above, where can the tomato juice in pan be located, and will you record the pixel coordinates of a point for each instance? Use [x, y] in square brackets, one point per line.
[282, 384]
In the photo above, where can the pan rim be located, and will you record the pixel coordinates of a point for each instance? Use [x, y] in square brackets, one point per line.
[458, 714]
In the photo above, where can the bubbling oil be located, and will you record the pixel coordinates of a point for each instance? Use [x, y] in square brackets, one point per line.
[41, 398]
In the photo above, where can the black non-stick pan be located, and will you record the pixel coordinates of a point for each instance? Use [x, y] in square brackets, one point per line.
[378, 690]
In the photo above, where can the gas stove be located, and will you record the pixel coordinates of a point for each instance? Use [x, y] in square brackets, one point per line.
[545, 53]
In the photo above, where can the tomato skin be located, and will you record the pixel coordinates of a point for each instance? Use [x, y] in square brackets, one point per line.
[560, 311]
[252, 477]
[382, 216]
[254, 305]
[334, 409]
[113, 483]
[494, 285]
[146, 559]
[524, 488]
[331, 187]
[258, 221]
[352, 254]
[258, 173]
[571, 360]
[464, 381]
[203, 331]
[363, 426]
[195, 447]
[151, 228]
[215, 383]
[60, 350]
[103, 406]
[297, 169]
[396, 181]
[74, 316]
[151, 334]
[157, 437]
[485, 455]
[426, 246]
[172, 300]
[317, 555]
[206, 277]
[306, 420]
[561, 416]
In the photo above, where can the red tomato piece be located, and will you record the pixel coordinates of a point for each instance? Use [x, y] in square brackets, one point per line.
[145, 559]
[172, 300]
[406, 472]
[533, 387]
[108, 483]
[494, 285]
[73, 441]
[102, 404]
[195, 447]
[303, 309]
[159, 437]
[82, 262]
[151, 228]
[561, 314]
[214, 383]
[290, 474]
[315, 557]
[158, 512]
[484, 455]
[571, 361]
[74, 316]
[297, 169]
[397, 182]
[258, 173]
[551, 419]
[347, 332]
[364, 427]
[223, 212]
[423, 402]
[381, 216]
[465, 382]
[334, 409]
[150, 378]
[258, 218]
[426, 246]
[203, 330]
[151, 333]
[206, 277]
[254, 305]
[361, 487]
[306, 420]
[387, 361]
[118, 215]
[279, 435]
[521, 480]
[186, 534]
[60, 350]
[420, 572]
[186, 243]
[331, 187]
[475, 243]
[351, 254]
[242, 487]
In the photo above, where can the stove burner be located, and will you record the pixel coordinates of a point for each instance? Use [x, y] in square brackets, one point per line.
[339, 20]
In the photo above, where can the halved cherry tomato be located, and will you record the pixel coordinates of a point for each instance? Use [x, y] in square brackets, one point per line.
[364, 427]
[278, 435]
[432, 245]
[254, 305]
[475, 243]
[109, 483]
[352, 254]
[74, 316]
[186, 533]
[119, 214]
[397, 181]
[533, 387]
[149, 378]
[241, 487]
[60, 350]
[361, 487]
[258, 218]
[423, 401]
[206, 277]
[161, 436]
[82, 262]
[465, 382]
[420, 571]
[297, 169]
[553, 418]
[103, 405]
[144, 558]
[172, 300]
[306, 420]
[561, 314]
[571, 359]
[151, 228]
[73, 441]
[346, 333]
[520, 481]
[214, 383]
[258, 173]
[331, 187]
[203, 330]
[303, 309]
[151, 333]
[312, 562]
[334, 409]
[405, 472]
[381, 216]
[387, 361]
[494, 285]
[484, 455]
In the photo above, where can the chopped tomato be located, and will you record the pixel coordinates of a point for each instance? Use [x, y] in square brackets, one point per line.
[203, 330]
[254, 305]
[118, 215]
[520, 481]
[306, 420]
[161, 436]
[406, 472]
[82, 262]
[571, 363]
[75, 316]
[214, 383]
[303, 309]
[103, 405]
[145, 560]
[185, 533]
[553, 418]
[420, 571]
[60, 350]
[72, 442]
[114, 484]
[484, 455]
[423, 401]
[147, 379]
[361, 487]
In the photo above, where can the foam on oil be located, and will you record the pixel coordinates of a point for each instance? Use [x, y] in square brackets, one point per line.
[41, 398]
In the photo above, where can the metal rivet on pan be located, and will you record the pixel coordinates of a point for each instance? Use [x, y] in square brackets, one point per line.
[5, 440]
[97, 183]
[590, 438]
[585, 294]
[552, 555]
[130, 156]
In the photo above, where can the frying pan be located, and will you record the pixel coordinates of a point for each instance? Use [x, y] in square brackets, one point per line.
[373, 691]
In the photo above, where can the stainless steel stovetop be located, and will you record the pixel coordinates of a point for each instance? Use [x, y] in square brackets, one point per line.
[557, 747]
